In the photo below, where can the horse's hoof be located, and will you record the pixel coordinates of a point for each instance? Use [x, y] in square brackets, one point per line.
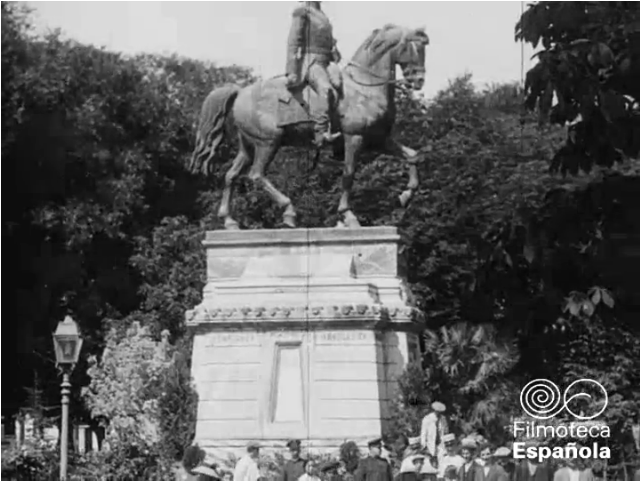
[404, 198]
[289, 222]
[230, 224]
[350, 220]
[353, 224]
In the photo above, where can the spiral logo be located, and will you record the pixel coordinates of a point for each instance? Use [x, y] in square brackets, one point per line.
[584, 399]
[540, 399]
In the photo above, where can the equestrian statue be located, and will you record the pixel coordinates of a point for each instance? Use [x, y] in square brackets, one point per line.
[316, 103]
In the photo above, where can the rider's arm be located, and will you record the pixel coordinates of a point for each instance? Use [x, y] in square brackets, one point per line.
[336, 53]
[300, 16]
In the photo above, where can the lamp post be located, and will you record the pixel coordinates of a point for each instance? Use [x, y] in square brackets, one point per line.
[67, 343]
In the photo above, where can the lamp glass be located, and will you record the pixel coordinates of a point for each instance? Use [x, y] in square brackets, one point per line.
[67, 349]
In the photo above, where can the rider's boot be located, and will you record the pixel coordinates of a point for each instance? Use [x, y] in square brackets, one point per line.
[323, 134]
[325, 138]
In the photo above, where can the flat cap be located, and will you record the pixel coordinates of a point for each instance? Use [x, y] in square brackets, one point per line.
[438, 407]
[253, 445]
[375, 442]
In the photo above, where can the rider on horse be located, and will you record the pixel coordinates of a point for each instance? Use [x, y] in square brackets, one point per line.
[311, 48]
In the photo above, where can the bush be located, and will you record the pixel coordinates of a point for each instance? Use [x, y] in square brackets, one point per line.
[143, 388]
[178, 404]
[124, 463]
[468, 368]
[33, 460]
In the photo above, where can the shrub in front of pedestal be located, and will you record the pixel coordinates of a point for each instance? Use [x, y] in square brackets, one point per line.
[142, 387]
[409, 408]
[124, 463]
[177, 404]
[125, 385]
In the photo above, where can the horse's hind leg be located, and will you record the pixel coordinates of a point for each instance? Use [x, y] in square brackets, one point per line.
[264, 155]
[230, 178]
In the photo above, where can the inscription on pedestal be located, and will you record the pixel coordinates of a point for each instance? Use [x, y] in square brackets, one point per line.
[223, 339]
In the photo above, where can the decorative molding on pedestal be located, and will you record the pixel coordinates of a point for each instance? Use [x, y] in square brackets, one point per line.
[346, 315]
[318, 318]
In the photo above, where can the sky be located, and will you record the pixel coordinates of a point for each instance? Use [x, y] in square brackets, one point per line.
[475, 37]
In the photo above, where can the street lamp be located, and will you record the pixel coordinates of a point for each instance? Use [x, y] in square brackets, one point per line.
[67, 343]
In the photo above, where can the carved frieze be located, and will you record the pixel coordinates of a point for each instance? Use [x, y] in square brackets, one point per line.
[211, 314]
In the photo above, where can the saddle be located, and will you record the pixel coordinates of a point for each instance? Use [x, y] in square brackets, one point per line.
[295, 107]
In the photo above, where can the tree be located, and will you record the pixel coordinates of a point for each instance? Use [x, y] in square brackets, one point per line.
[588, 76]
[94, 143]
[143, 389]
[468, 368]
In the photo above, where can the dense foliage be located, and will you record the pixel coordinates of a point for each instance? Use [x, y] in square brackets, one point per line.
[467, 367]
[517, 270]
[588, 74]
[139, 387]
[94, 143]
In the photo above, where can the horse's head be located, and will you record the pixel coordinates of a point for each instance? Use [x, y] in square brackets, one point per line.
[394, 45]
[410, 55]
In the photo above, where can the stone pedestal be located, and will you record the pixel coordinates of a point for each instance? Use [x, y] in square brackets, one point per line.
[301, 334]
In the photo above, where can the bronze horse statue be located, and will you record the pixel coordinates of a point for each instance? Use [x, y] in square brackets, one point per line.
[365, 107]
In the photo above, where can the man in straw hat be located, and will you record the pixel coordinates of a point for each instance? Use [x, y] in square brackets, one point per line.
[433, 428]
[470, 470]
[504, 458]
[493, 470]
[374, 467]
[247, 467]
[413, 447]
[450, 458]
[410, 468]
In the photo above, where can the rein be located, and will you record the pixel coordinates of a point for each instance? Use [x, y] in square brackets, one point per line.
[384, 81]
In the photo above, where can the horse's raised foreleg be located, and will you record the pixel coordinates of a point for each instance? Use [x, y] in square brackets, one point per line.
[412, 158]
[264, 154]
[226, 203]
[352, 147]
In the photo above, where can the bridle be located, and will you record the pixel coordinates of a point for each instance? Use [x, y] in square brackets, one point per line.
[384, 80]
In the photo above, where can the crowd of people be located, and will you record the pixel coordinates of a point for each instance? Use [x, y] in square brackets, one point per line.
[434, 455]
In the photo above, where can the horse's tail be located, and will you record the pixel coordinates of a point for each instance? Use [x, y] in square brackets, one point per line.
[211, 127]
